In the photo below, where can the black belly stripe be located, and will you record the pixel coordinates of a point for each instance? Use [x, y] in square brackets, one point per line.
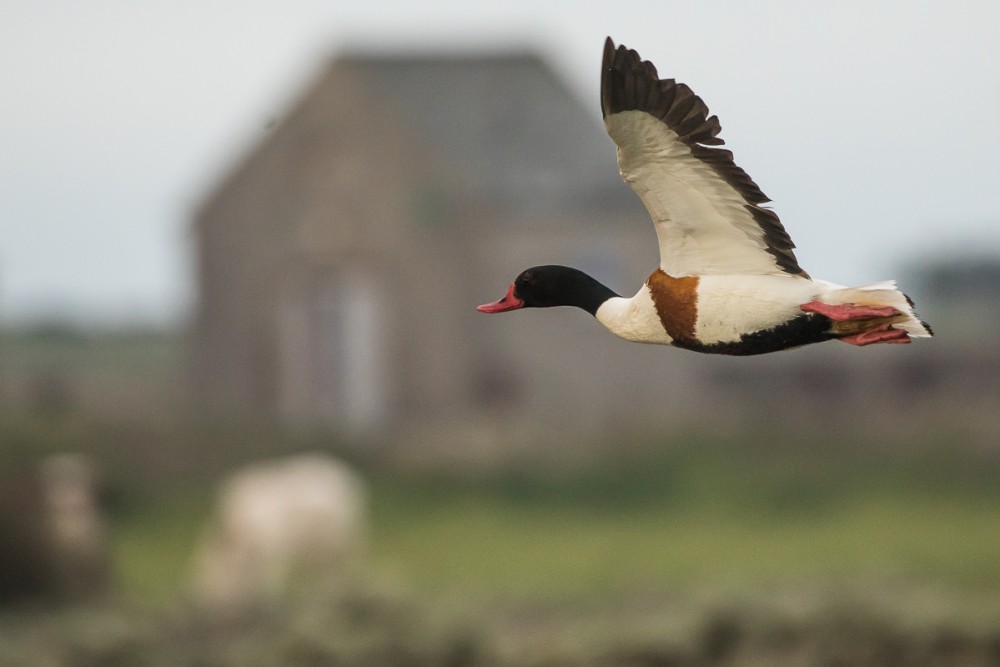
[803, 330]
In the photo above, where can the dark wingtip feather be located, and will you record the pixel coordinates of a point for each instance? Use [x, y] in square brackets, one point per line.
[629, 83]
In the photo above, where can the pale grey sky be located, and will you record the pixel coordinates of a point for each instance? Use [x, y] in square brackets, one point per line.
[874, 126]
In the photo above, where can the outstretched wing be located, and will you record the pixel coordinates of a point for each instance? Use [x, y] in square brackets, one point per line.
[707, 211]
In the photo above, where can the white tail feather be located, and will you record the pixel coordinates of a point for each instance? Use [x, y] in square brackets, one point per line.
[882, 293]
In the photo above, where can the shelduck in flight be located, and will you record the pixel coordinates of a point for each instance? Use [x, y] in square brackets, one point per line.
[728, 281]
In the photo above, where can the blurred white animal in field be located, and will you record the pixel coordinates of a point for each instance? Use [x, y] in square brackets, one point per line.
[293, 521]
[76, 528]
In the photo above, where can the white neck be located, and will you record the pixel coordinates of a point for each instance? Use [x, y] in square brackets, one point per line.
[633, 319]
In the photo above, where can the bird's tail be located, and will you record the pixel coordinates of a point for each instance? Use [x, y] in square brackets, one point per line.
[876, 295]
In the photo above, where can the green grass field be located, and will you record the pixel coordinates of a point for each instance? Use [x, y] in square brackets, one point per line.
[492, 546]
[706, 515]
[701, 554]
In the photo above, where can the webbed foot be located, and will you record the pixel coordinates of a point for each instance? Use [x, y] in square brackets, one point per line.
[848, 311]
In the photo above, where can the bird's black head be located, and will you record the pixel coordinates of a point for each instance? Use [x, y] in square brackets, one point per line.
[549, 286]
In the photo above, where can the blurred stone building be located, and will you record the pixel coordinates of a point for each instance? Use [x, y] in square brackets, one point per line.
[340, 263]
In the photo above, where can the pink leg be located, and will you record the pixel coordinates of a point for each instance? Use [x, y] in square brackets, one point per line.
[848, 311]
[883, 334]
